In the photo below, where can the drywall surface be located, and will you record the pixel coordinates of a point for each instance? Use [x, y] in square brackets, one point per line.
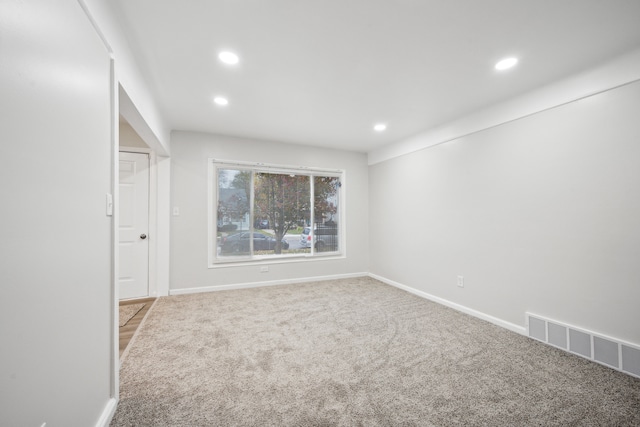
[189, 193]
[129, 138]
[539, 215]
[56, 247]
[137, 101]
[617, 72]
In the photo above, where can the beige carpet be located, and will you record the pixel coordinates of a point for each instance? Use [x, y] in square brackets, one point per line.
[353, 352]
[128, 311]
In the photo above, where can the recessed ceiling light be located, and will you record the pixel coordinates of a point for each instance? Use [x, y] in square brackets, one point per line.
[506, 63]
[220, 100]
[380, 127]
[228, 57]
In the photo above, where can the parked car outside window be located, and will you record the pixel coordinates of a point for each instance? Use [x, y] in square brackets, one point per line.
[239, 242]
[262, 224]
[325, 238]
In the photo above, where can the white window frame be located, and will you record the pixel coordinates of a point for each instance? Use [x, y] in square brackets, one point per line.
[214, 261]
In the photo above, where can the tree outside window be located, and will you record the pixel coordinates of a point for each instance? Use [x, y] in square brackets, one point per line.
[282, 199]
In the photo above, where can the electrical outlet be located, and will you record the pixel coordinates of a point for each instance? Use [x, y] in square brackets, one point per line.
[461, 281]
[264, 269]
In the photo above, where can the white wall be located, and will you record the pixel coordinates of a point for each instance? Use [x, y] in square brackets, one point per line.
[129, 138]
[137, 102]
[57, 151]
[616, 72]
[189, 192]
[539, 214]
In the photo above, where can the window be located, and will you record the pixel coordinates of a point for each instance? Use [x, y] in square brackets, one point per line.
[266, 212]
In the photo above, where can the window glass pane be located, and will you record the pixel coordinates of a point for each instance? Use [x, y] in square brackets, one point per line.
[270, 213]
[281, 210]
[325, 213]
[233, 215]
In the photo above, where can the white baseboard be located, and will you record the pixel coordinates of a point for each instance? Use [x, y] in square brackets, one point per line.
[261, 284]
[107, 413]
[499, 322]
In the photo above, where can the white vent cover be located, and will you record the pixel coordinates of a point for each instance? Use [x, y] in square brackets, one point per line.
[608, 351]
[557, 335]
[631, 360]
[537, 329]
[580, 343]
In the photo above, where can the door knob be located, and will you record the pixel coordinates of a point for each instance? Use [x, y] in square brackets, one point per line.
[143, 236]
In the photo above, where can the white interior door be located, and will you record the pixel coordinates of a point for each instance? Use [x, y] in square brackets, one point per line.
[134, 225]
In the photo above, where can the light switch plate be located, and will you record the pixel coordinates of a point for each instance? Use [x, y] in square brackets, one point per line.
[109, 204]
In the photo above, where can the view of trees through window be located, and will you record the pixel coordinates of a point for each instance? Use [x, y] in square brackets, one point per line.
[263, 213]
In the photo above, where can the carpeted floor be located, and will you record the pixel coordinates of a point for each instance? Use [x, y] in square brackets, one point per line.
[353, 352]
[128, 311]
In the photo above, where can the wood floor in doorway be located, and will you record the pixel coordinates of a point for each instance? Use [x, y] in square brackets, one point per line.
[127, 331]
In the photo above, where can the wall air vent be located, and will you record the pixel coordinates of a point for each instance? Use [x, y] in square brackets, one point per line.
[611, 352]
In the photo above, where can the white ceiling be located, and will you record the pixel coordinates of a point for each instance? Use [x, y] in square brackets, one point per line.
[323, 72]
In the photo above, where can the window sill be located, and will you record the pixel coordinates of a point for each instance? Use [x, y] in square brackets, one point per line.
[286, 259]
